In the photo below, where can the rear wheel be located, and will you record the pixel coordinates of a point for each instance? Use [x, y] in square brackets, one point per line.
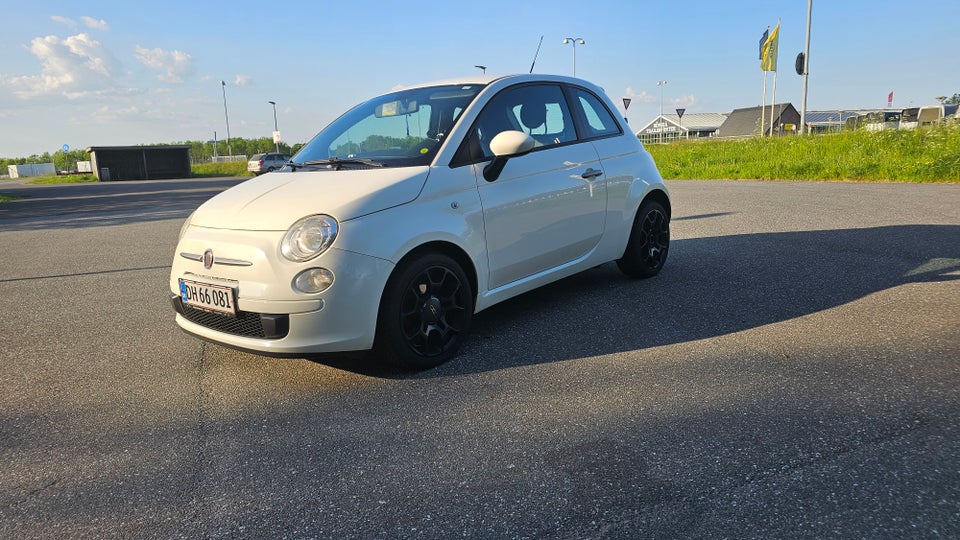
[425, 313]
[649, 242]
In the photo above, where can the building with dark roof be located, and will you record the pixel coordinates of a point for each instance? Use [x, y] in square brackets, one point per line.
[835, 120]
[746, 122]
[112, 163]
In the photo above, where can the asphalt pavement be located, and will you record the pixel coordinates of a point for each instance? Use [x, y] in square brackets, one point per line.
[792, 373]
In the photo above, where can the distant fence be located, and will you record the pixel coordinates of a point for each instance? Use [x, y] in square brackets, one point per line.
[30, 169]
[227, 159]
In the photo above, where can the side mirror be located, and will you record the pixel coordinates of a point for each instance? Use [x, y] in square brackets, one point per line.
[506, 145]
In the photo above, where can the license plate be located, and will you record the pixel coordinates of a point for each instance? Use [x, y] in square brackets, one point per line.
[209, 297]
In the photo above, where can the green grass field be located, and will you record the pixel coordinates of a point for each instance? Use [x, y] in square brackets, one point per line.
[64, 179]
[917, 155]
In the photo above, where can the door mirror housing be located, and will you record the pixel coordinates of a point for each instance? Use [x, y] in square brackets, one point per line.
[511, 143]
[506, 145]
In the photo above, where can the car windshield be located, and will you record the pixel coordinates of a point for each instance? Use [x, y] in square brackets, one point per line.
[401, 129]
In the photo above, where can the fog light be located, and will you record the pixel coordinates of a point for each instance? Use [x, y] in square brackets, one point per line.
[313, 280]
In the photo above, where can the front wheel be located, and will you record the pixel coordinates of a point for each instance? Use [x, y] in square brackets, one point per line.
[649, 242]
[425, 312]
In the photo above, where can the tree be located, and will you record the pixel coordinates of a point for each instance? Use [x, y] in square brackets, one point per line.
[954, 100]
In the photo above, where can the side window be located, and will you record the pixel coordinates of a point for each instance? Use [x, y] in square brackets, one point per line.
[537, 110]
[599, 120]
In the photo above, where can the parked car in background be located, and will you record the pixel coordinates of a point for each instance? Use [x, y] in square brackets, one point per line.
[415, 210]
[269, 162]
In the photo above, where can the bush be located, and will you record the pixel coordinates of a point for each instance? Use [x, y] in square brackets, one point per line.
[230, 168]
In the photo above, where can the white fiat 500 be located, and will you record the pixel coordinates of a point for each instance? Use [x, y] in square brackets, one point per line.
[417, 209]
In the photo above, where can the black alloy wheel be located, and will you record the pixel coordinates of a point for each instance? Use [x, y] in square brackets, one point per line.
[649, 242]
[426, 313]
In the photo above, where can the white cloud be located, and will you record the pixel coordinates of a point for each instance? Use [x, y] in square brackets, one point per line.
[642, 97]
[64, 20]
[242, 80]
[172, 65]
[71, 66]
[684, 101]
[96, 24]
[107, 114]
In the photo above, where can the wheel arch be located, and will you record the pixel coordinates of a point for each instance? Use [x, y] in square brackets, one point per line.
[449, 249]
[659, 196]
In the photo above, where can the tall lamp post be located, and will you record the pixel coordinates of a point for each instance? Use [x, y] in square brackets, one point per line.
[484, 68]
[574, 42]
[223, 85]
[276, 130]
[806, 73]
[661, 84]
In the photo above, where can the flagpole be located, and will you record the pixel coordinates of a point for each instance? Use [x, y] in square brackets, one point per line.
[763, 102]
[763, 106]
[773, 101]
[774, 50]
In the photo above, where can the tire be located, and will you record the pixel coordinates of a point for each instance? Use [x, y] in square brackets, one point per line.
[649, 242]
[425, 313]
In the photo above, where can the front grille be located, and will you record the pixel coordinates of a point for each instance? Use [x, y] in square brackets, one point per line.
[255, 325]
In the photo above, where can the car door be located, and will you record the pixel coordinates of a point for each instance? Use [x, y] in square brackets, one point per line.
[546, 208]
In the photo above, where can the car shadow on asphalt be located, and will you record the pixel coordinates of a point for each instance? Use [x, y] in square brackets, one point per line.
[709, 287]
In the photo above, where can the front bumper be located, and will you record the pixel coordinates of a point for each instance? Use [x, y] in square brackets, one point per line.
[245, 323]
[273, 317]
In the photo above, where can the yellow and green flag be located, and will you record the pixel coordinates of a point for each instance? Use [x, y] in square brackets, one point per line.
[768, 52]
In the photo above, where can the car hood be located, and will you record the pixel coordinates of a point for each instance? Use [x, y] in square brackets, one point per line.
[274, 201]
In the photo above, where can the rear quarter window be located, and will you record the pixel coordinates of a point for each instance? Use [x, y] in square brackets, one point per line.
[599, 121]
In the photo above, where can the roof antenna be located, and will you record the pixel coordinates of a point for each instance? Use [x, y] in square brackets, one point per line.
[536, 55]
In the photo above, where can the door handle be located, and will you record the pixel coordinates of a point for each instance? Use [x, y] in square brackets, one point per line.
[590, 173]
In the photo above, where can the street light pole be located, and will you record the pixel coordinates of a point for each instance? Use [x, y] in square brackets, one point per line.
[806, 72]
[276, 130]
[223, 84]
[484, 68]
[574, 42]
[661, 84]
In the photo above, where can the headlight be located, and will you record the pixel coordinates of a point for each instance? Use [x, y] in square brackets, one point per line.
[309, 237]
[186, 225]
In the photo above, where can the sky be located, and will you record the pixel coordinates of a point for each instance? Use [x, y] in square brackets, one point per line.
[124, 73]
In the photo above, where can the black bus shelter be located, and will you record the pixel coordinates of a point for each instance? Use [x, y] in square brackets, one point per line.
[111, 163]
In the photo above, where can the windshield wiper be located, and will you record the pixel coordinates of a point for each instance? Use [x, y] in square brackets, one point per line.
[335, 163]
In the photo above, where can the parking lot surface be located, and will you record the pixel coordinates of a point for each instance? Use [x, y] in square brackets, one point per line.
[792, 373]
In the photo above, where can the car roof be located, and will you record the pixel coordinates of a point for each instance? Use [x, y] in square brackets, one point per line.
[487, 79]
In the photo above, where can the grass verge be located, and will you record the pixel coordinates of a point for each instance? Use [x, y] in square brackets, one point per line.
[64, 179]
[4, 198]
[916, 155]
